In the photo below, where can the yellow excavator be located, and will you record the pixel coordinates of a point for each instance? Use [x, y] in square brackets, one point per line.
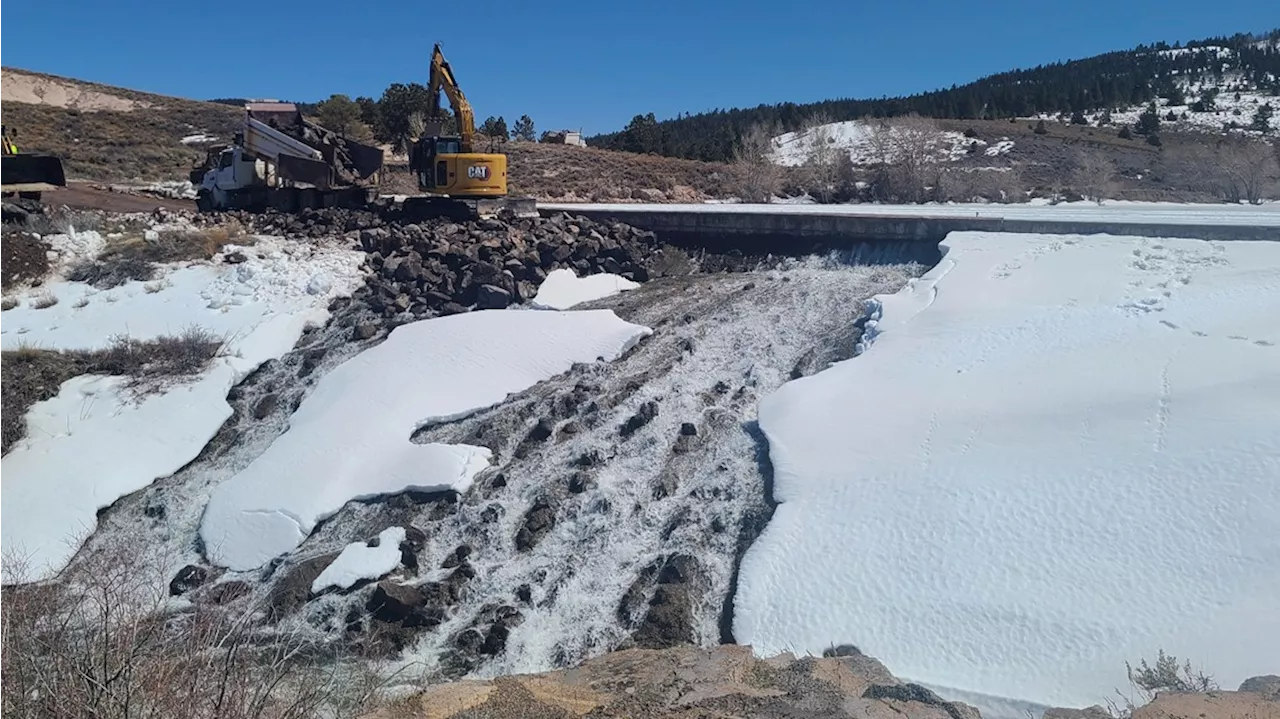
[459, 181]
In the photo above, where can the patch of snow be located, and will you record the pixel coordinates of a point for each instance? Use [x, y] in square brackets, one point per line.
[199, 138]
[1000, 148]
[350, 438]
[359, 561]
[563, 289]
[75, 245]
[1059, 455]
[858, 139]
[229, 300]
[95, 441]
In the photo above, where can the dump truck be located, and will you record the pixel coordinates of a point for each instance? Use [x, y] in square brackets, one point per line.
[281, 161]
[458, 181]
[27, 174]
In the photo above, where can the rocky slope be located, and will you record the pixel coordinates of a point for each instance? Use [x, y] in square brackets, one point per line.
[621, 496]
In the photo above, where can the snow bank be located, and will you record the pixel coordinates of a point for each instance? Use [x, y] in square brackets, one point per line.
[274, 282]
[1060, 454]
[360, 561]
[95, 442]
[563, 289]
[350, 438]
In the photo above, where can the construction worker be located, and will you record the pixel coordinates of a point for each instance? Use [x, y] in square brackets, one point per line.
[9, 147]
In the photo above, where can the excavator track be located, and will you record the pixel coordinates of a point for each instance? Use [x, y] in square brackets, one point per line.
[423, 207]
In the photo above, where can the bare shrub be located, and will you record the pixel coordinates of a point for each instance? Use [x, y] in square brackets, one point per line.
[1166, 675]
[1249, 168]
[63, 220]
[134, 258]
[98, 643]
[44, 301]
[1093, 174]
[906, 163]
[822, 160]
[33, 375]
[1235, 169]
[9, 303]
[1004, 185]
[111, 270]
[756, 176]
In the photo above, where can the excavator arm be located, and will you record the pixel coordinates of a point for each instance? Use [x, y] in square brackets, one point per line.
[442, 79]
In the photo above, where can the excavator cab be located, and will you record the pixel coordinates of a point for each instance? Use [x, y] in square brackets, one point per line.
[443, 168]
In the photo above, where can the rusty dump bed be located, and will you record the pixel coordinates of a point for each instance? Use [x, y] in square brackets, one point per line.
[24, 173]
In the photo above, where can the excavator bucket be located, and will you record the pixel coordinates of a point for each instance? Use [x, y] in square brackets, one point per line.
[31, 173]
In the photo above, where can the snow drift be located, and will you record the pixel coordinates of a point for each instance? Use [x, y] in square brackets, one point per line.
[96, 441]
[1059, 455]
[563, 289]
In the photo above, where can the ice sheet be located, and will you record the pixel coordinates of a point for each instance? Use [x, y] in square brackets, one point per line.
[1059, 454]
[563, 289]
[360, 561]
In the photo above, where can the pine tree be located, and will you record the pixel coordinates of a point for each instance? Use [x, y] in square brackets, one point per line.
[368, 111]
[1148, 121]
[1125, 134]
[1262, 118]
[1041, 129]
[523, 129]
[1077, 118]
[400, 103]
[494, 127]
[340, 114]
[642, 134]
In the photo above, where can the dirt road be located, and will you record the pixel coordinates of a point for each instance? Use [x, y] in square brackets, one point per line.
[88, 196]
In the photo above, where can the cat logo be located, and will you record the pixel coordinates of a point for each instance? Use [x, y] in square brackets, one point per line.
[478, 172]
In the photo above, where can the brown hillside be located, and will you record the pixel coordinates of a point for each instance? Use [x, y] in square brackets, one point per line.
[565, 173]
[109, 133]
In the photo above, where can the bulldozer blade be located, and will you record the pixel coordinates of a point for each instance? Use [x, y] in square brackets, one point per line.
[19, 172]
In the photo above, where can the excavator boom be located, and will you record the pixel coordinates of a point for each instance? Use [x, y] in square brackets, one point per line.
[442, 78]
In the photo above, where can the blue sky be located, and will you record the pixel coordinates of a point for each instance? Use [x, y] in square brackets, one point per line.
[591, 65]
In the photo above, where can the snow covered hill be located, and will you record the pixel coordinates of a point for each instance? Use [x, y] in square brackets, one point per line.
[869, 142]
[1226, 98]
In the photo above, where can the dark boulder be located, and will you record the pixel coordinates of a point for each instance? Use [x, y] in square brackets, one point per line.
[490, 297]
[188, 578]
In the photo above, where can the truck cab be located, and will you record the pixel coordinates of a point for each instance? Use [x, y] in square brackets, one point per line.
[232, 171]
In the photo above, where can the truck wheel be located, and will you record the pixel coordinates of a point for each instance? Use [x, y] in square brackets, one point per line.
[204, 201]
[29, 196]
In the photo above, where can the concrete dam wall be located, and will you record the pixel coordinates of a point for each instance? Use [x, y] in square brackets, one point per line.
[876, 237]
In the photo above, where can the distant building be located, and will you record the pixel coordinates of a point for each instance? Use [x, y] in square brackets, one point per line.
[563, 137]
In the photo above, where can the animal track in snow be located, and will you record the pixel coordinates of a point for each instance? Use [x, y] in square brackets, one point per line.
[1006, 269]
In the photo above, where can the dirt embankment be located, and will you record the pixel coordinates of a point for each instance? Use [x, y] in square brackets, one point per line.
[566, 173]
[688, 683]
[37, 89]
[106, 133]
